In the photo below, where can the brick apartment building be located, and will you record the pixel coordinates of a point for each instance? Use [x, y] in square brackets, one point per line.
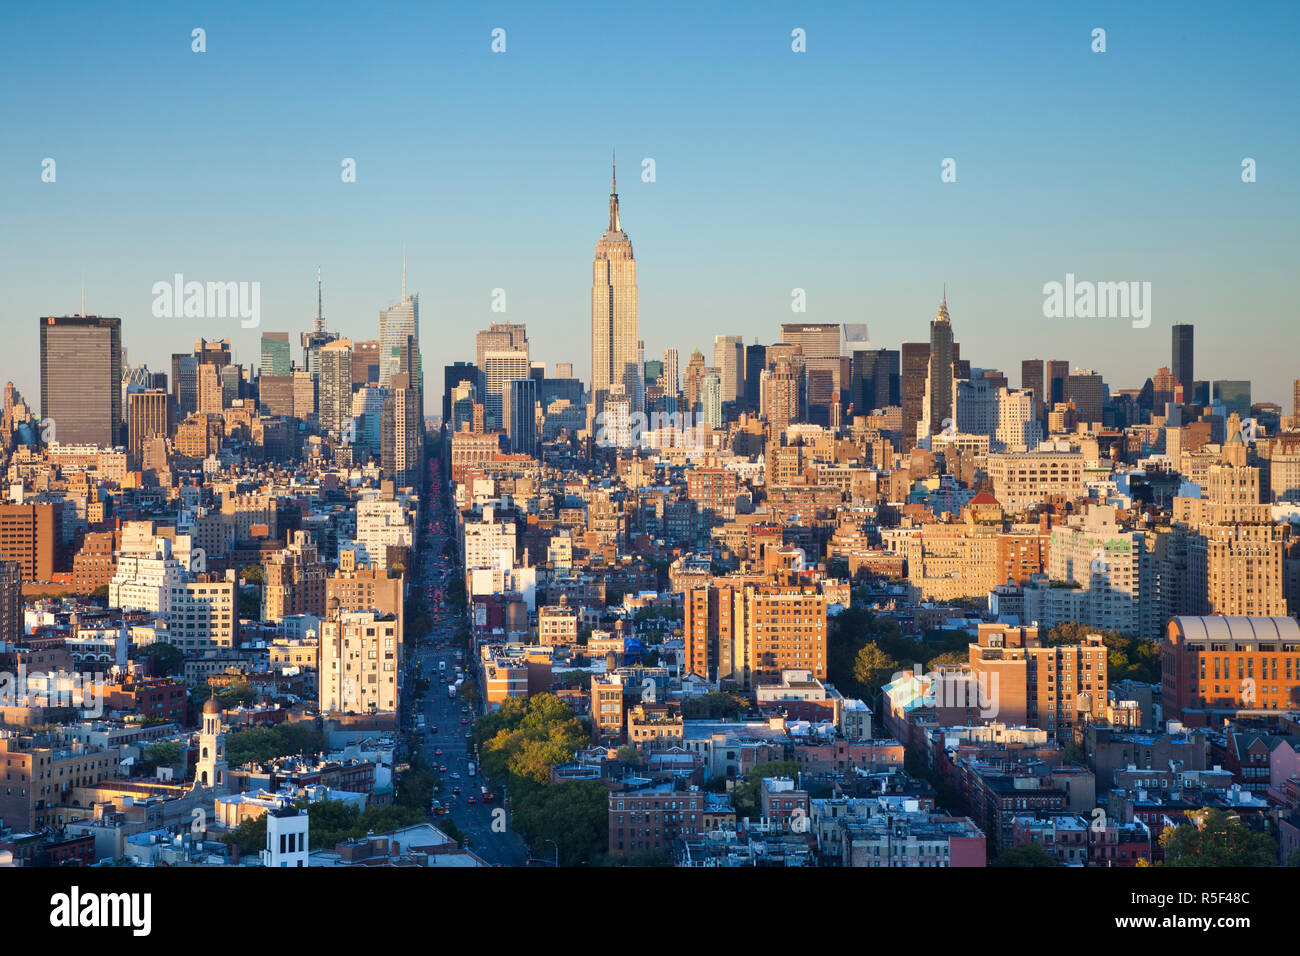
[650, 819]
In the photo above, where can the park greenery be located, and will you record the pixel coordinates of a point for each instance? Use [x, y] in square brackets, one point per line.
[713, 706]
[1211, 837]
[572, 814]
[259, 744]
[520, 743]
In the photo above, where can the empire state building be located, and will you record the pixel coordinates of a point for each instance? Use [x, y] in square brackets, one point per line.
[613, 313]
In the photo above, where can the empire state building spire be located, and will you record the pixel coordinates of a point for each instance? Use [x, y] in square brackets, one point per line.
[614, 225]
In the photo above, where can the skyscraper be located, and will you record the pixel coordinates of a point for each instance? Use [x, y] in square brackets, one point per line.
[275, 354]
[400, 431]
[711, 398]
[672, 377]
[755, 365]
[729, 360]
[185, 385]
[938, 409]
[499, 370]
[1088, 392]
[695, 369]
[1234, 394]
[396, 322]
[875, 380]
[1182, 358]
[211, 395]
[1234, 554]
[319, 336]
[613, 311]
[500, 337]
[782, 396]
[334, 386]
[147, 415]
[1031, 377]
[916, 369]
[1058, 371]
[452, 376]
[820, 343]
[365, 363]
[521, 415]
[81, 378]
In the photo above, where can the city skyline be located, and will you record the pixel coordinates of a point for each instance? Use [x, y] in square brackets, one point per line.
[924, 495]
[727, 229]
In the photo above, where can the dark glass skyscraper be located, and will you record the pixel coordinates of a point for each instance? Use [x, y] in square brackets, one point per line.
[755, 364]
[876, 379]
[1182, 359]
[915, 359]
[1031, 377]
[275, 359]
[81, 379]
[453, 375]
[1057, 372]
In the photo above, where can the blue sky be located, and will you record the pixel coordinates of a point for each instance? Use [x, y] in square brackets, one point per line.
[775, 171]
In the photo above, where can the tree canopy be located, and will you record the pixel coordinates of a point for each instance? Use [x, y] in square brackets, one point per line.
[266, 743]
[1128, 657]
[1030, 854]
[165, 660]
[1213, 838]
[521, 742]
[572, 813]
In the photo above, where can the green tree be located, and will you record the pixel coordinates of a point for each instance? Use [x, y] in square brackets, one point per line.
[521, 742]
[250, 604]
[1029, 854]
[448, 826]
[872, 667]
[712, 706]
[252, 574]
[165, 660]
[574, 814]
[1128, 657]
[163, 753]
[250, 836]
[1213, 838]
[637, 858]
[415, 788]
[260, 744]
[947, 659]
